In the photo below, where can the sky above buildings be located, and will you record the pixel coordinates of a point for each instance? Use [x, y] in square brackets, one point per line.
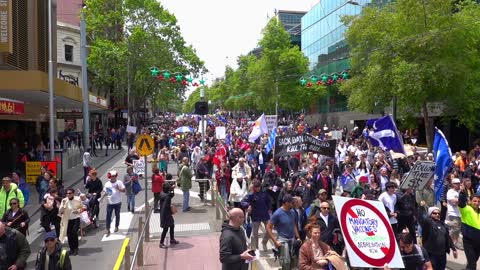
[222, 30]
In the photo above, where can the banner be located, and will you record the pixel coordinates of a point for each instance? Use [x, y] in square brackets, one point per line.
[293, 144]
[32, 169]
[10, 106]
[368, 235]
[6, 33]
[418, 176]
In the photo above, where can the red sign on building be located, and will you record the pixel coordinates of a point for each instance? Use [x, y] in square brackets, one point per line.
[10, 106]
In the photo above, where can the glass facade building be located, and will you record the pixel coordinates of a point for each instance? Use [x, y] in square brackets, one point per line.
[323, 43]
[291, 21]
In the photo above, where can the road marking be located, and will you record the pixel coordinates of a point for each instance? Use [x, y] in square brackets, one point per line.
[124, 226]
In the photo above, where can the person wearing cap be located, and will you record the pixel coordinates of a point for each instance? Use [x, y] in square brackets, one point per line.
[14, 249]
[113, 190]
[315, 206]
[453, 213]
[282, 221]
[58, 258]
[258, 207]
[435, 236]
[9, 191]
[357, 191]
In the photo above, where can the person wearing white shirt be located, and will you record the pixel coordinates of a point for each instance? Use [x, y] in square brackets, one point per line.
[238, 190]
[389, 199]
[113, 190]
[453, 213]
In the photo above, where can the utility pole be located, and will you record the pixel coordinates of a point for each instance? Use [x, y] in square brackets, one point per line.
[202, 97]
[83, 56]
[51, 108]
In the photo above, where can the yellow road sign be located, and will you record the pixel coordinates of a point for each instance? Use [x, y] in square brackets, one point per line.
[144, 145]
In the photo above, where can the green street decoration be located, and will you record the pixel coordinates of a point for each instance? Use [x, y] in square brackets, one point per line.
[324, 79]
[175, 77]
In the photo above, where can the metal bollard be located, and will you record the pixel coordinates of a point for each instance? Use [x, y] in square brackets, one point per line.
[147, 220]
[127, 259]
[140, 247]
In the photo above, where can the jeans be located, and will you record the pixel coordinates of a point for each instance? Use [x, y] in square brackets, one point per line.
[72, 233]
[110, 208]
[255, 227]
[439, 262]
[223, 191]
[131, 201]
[186, 199]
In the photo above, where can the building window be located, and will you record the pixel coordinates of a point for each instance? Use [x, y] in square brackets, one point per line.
[69, 53]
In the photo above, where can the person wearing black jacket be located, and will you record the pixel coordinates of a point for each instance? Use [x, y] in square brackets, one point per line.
[202, 173]
[435, 237]
[166, 215]
[406, 212]
[323, 181]
[329, 227]
[272, 184]
[94, 188]
[233, 244]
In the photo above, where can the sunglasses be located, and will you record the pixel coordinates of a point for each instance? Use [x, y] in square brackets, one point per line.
[13, 203]
[49, 240]
[326, 208]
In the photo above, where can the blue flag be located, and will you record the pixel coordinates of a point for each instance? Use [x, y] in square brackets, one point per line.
[385, 134]
[223, 119]
[210, 122]
[228, 140]
[271, 140]
[443, 161]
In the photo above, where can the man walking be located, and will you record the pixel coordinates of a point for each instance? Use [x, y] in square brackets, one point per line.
[282, 221]
[258, 208]
[14, 249]
[113, 189]
[233, 244]
[57, 257]
[185, 182]
[9, 191]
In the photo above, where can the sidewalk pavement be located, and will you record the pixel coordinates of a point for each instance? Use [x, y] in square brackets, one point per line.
[71, 177]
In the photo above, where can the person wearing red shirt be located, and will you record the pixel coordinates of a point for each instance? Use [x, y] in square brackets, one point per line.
[157, 182]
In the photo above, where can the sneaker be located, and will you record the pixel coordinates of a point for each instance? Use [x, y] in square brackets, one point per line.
[116, 229]
[163, 246]
[174, 242]
[40, 230]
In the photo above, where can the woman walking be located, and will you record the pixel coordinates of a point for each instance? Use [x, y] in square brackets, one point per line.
[166, 215]
[128, 181]
[157, 183]
[16, 217]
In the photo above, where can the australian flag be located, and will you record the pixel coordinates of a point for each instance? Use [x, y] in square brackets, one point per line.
[443, 161]
[271, 140]
[383, 133]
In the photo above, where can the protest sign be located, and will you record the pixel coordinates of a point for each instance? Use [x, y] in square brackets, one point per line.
[132, 129]
[418, 176]
[220, 133]
[139, 167]
[293, 144]
[271, 121]
[368, 235]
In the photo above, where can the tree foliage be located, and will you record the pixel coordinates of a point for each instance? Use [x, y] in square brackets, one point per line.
[253, 85]
[127, 38]
[424, 52]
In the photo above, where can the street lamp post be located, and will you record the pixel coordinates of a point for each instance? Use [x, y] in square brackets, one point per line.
[202, 126]
[83, 56]
[51, 104]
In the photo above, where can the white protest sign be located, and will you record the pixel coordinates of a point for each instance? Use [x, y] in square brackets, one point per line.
[271, 121]
[418, 176]
[220, 133]
[368, 235]
[132, 129]
[139, 166]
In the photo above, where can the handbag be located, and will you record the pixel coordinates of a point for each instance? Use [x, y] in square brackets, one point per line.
[174, 209]
[136, 187]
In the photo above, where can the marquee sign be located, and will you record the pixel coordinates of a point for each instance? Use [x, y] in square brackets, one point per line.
[10, 106]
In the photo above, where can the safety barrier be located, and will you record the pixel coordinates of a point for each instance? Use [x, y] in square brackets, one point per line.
[125, 256]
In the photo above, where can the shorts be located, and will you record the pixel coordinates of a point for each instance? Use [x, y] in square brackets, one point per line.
[454, 224]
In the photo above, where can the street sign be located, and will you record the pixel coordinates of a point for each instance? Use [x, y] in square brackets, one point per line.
[368, 235]
[144, 145]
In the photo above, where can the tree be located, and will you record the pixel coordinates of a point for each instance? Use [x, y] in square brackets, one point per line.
[127, 38]
[419, 51]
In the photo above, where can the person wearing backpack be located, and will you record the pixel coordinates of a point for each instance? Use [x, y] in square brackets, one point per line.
[414, 256]
[58, 258]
